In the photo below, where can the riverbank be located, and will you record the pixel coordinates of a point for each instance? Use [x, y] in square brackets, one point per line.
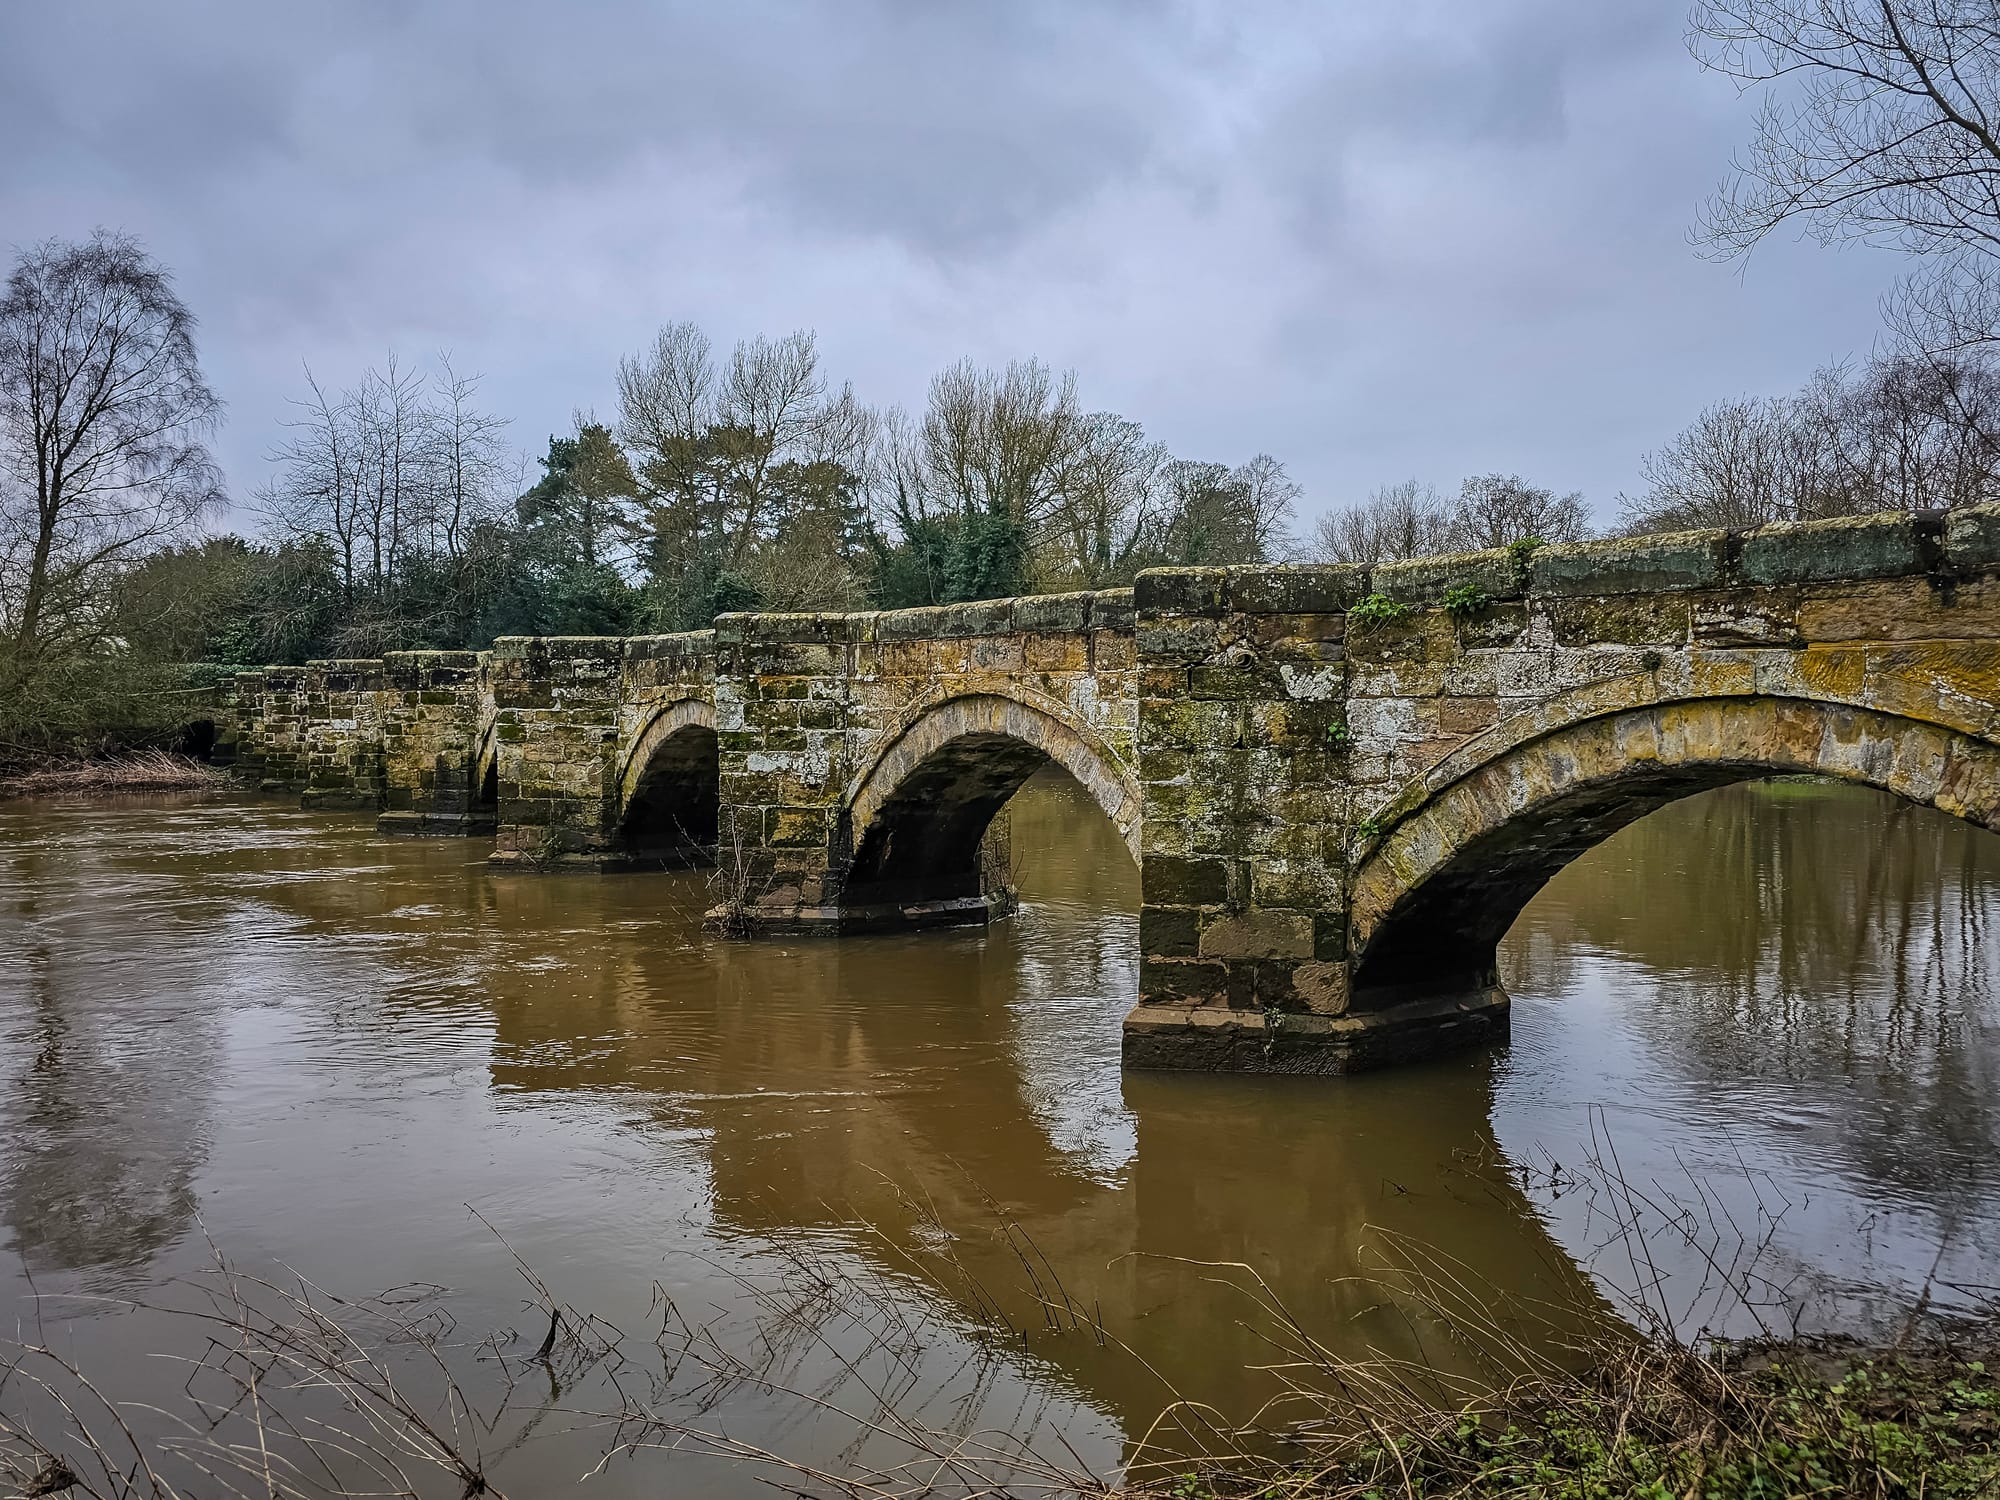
[1803, 1417]
[139, 771]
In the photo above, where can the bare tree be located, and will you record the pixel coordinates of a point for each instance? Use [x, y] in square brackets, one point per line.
[1003, 442]
[1881, 123]
[1906, 432]
[103, 413]
[1498, 510]
[1741, 463]
[1396, 521]
[469, 458]
[730, 461]
[1270, 504]
[1208, 514]
[1104, 506]
[391, 474]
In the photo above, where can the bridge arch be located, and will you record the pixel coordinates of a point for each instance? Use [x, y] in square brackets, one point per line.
[1430, 903]
[667, 801]
[917, 812]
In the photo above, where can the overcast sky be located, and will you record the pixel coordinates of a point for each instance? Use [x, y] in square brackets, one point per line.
[1380, 239]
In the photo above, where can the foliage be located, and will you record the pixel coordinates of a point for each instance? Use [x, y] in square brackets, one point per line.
[1807, 1419]
[1464, 600]
[1378, 609]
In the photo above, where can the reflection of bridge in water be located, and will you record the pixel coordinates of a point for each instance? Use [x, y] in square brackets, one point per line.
[1341, 784]
[970, 1083]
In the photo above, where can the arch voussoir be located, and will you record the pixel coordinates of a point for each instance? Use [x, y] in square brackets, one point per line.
[984, 717]
[1431, 900]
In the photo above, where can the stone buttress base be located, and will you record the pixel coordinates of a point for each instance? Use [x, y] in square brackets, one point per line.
[1213, 1039]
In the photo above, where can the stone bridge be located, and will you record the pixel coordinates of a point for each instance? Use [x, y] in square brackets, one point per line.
[1341, 784]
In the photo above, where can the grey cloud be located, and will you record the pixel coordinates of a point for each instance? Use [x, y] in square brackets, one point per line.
[1378, 238]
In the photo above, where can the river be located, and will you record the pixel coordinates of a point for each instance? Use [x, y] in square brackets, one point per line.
[1765, 1019]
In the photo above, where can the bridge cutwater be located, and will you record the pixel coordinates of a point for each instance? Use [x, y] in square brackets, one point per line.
[1341, 784]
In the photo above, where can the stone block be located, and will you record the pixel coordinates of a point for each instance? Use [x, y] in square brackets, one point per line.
[1112, 609]
[905, 624]
[1185, 724]
[1181, 591]
[1167, 881]
[1293, 590]
[1900, 609]
[1425, 580]
[1232, 684]
[982, 617]
[1177, 639]
[1972, 539]
[1169, 931]
[1747, 618]
[795, 827]
[998, 653]
[1818, 551]
[1621, 619]
[1053, 612]
[1467, 715]
[1182, 979]
[1631, 565]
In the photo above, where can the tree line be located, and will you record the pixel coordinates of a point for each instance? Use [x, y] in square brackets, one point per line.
[395, 519]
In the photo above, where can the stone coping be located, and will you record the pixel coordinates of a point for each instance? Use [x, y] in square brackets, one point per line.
[1076, 613]
[1943, 545]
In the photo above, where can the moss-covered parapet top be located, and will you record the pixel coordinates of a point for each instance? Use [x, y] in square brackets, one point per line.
[1943, 546]
[1045, 614]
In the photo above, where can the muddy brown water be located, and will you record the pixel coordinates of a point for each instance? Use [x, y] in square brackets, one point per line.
[1771, 1013]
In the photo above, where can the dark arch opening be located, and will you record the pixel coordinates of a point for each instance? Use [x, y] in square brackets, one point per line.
[197, 740]
[1445, 934]
[672, 813]
[925, 842]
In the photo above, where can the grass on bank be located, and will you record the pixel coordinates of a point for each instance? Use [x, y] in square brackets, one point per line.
[1803, 1418]
[135, 771]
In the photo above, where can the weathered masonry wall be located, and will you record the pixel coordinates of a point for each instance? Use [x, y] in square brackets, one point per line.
[863, 756]
[1342, 784]
[434, 710]
[1355, 778]
[575, 721]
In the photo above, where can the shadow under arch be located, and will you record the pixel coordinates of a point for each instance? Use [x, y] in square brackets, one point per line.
[669, 786]
[917, 814]
[1432, 901]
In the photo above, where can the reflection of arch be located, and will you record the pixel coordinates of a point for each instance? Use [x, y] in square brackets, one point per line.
[1431, 902]
[668, 785]
[919, 810]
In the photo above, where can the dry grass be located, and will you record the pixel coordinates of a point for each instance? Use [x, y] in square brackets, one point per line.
[139, 771]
